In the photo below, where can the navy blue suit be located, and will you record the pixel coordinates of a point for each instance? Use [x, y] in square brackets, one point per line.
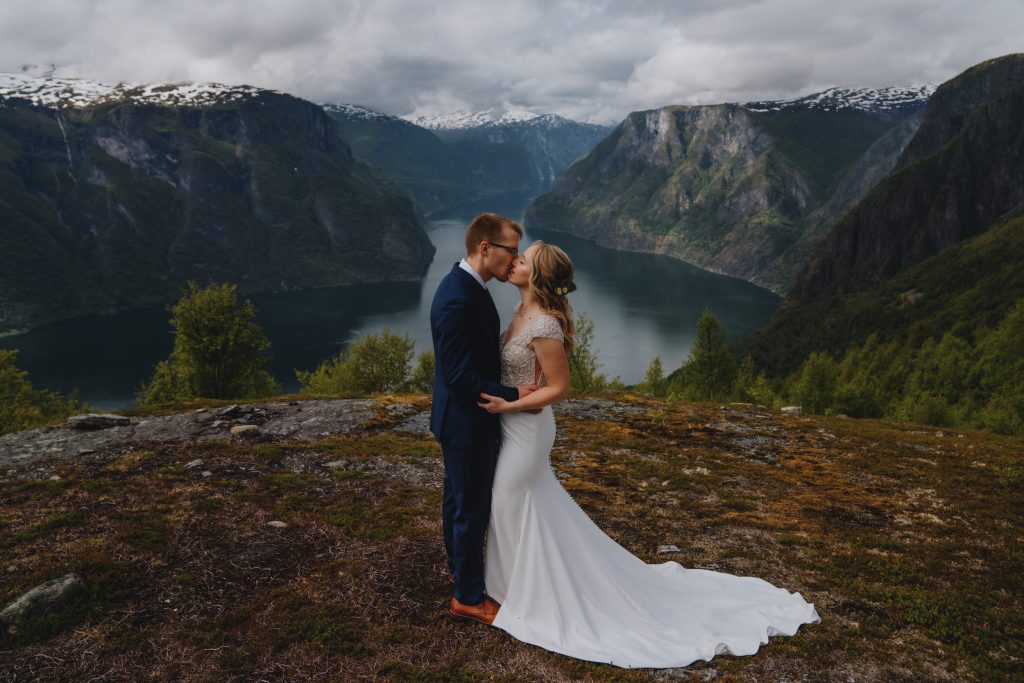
[465, 326]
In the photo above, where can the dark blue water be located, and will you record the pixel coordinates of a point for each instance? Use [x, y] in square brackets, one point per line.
[642, 306]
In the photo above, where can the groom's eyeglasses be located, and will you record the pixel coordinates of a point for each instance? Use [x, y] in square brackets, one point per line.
[511, 250]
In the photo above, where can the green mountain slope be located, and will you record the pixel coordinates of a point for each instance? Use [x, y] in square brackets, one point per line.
[922, 234]
[970, 284]
[118, 205]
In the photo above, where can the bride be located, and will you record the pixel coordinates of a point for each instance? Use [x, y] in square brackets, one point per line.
[562, 583]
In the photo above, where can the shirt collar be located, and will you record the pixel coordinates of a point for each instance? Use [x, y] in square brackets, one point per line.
[464, 264]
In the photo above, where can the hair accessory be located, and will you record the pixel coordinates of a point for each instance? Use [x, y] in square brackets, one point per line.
[564, 287]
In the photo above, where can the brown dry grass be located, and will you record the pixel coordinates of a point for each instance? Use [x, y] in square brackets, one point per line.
[907, 539]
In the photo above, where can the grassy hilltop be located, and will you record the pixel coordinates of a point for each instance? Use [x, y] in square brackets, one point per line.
[906, 539]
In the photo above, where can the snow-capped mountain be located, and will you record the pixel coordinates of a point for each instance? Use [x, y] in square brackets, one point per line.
[872, 100]
[357, 112]
[60, 93]
[458, 120]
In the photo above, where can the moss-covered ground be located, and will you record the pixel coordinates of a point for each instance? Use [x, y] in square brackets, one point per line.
[907, 539]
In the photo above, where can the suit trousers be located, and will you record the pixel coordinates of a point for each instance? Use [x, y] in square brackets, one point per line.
[466, 513]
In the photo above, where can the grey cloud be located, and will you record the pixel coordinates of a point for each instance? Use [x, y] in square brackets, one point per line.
[582, 58]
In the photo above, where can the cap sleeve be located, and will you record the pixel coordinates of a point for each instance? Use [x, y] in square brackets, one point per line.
[547, 327]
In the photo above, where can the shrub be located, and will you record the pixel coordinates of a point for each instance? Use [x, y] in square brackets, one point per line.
[376, 363]
[22, 406]
[583, 363]
[422, 379]
[219, 350]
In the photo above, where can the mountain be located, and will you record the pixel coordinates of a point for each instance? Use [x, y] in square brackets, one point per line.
[469, 120]
[894, 103]
[746, 190]
[551, 142]
[113, 197]
[438, 174]
[917, 247]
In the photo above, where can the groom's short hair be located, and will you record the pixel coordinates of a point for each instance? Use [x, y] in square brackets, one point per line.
[487, 227]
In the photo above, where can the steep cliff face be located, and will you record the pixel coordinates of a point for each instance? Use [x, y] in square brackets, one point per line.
[875, 164]
[117, 202]
[731, 188]
[961, 173]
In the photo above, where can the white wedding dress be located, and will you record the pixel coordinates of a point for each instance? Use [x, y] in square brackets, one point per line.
[567, 587]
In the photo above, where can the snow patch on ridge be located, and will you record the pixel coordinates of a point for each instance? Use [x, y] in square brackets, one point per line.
[865, 99]
[62, 93]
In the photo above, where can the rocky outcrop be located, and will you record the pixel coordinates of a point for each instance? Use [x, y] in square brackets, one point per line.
[743, 190]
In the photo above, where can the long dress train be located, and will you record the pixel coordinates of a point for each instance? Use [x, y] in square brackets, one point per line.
[566, 586]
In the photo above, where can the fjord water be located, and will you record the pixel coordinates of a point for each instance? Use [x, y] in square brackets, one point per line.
[642, 306]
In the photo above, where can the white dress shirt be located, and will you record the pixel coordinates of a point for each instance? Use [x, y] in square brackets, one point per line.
[464, 264]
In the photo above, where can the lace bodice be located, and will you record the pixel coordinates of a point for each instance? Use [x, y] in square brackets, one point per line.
[518, 361]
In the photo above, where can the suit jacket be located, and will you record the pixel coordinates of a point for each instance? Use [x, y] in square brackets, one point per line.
[465, 326]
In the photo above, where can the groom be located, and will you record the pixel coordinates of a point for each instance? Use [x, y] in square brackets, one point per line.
[464, 325]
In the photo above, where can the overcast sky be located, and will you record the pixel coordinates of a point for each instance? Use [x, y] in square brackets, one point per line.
[585, 59]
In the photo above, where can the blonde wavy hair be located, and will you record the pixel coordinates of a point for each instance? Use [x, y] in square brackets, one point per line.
[552, 267]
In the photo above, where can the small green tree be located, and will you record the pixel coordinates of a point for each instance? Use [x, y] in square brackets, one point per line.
[816, 386]
[753, 386]
[762, 392]
[583, 363]
[422, 379]
[376, 363]
[219, 350]
[654, 380]
[708, 372]
[24, 407]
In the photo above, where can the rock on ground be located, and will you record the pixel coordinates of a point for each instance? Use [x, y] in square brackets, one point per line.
[45, 597]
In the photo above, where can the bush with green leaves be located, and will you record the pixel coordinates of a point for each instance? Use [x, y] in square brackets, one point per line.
[751, 386]
[422, 379]
[373, 364]
[219, 350]
[816, 387]
[967, 377]
[583, 363]
[24, 407]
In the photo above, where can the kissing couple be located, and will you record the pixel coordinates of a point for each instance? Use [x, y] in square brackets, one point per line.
[547, 574]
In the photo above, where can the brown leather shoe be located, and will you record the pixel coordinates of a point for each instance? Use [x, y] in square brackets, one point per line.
[484, 612]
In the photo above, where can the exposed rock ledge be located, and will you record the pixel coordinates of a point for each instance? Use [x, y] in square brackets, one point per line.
[273, 420]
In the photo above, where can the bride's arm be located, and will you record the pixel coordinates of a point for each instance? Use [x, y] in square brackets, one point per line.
[555, 365]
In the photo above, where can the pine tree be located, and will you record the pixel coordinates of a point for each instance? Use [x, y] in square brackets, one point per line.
[816, 387]
[654, 380]
[711, 364]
